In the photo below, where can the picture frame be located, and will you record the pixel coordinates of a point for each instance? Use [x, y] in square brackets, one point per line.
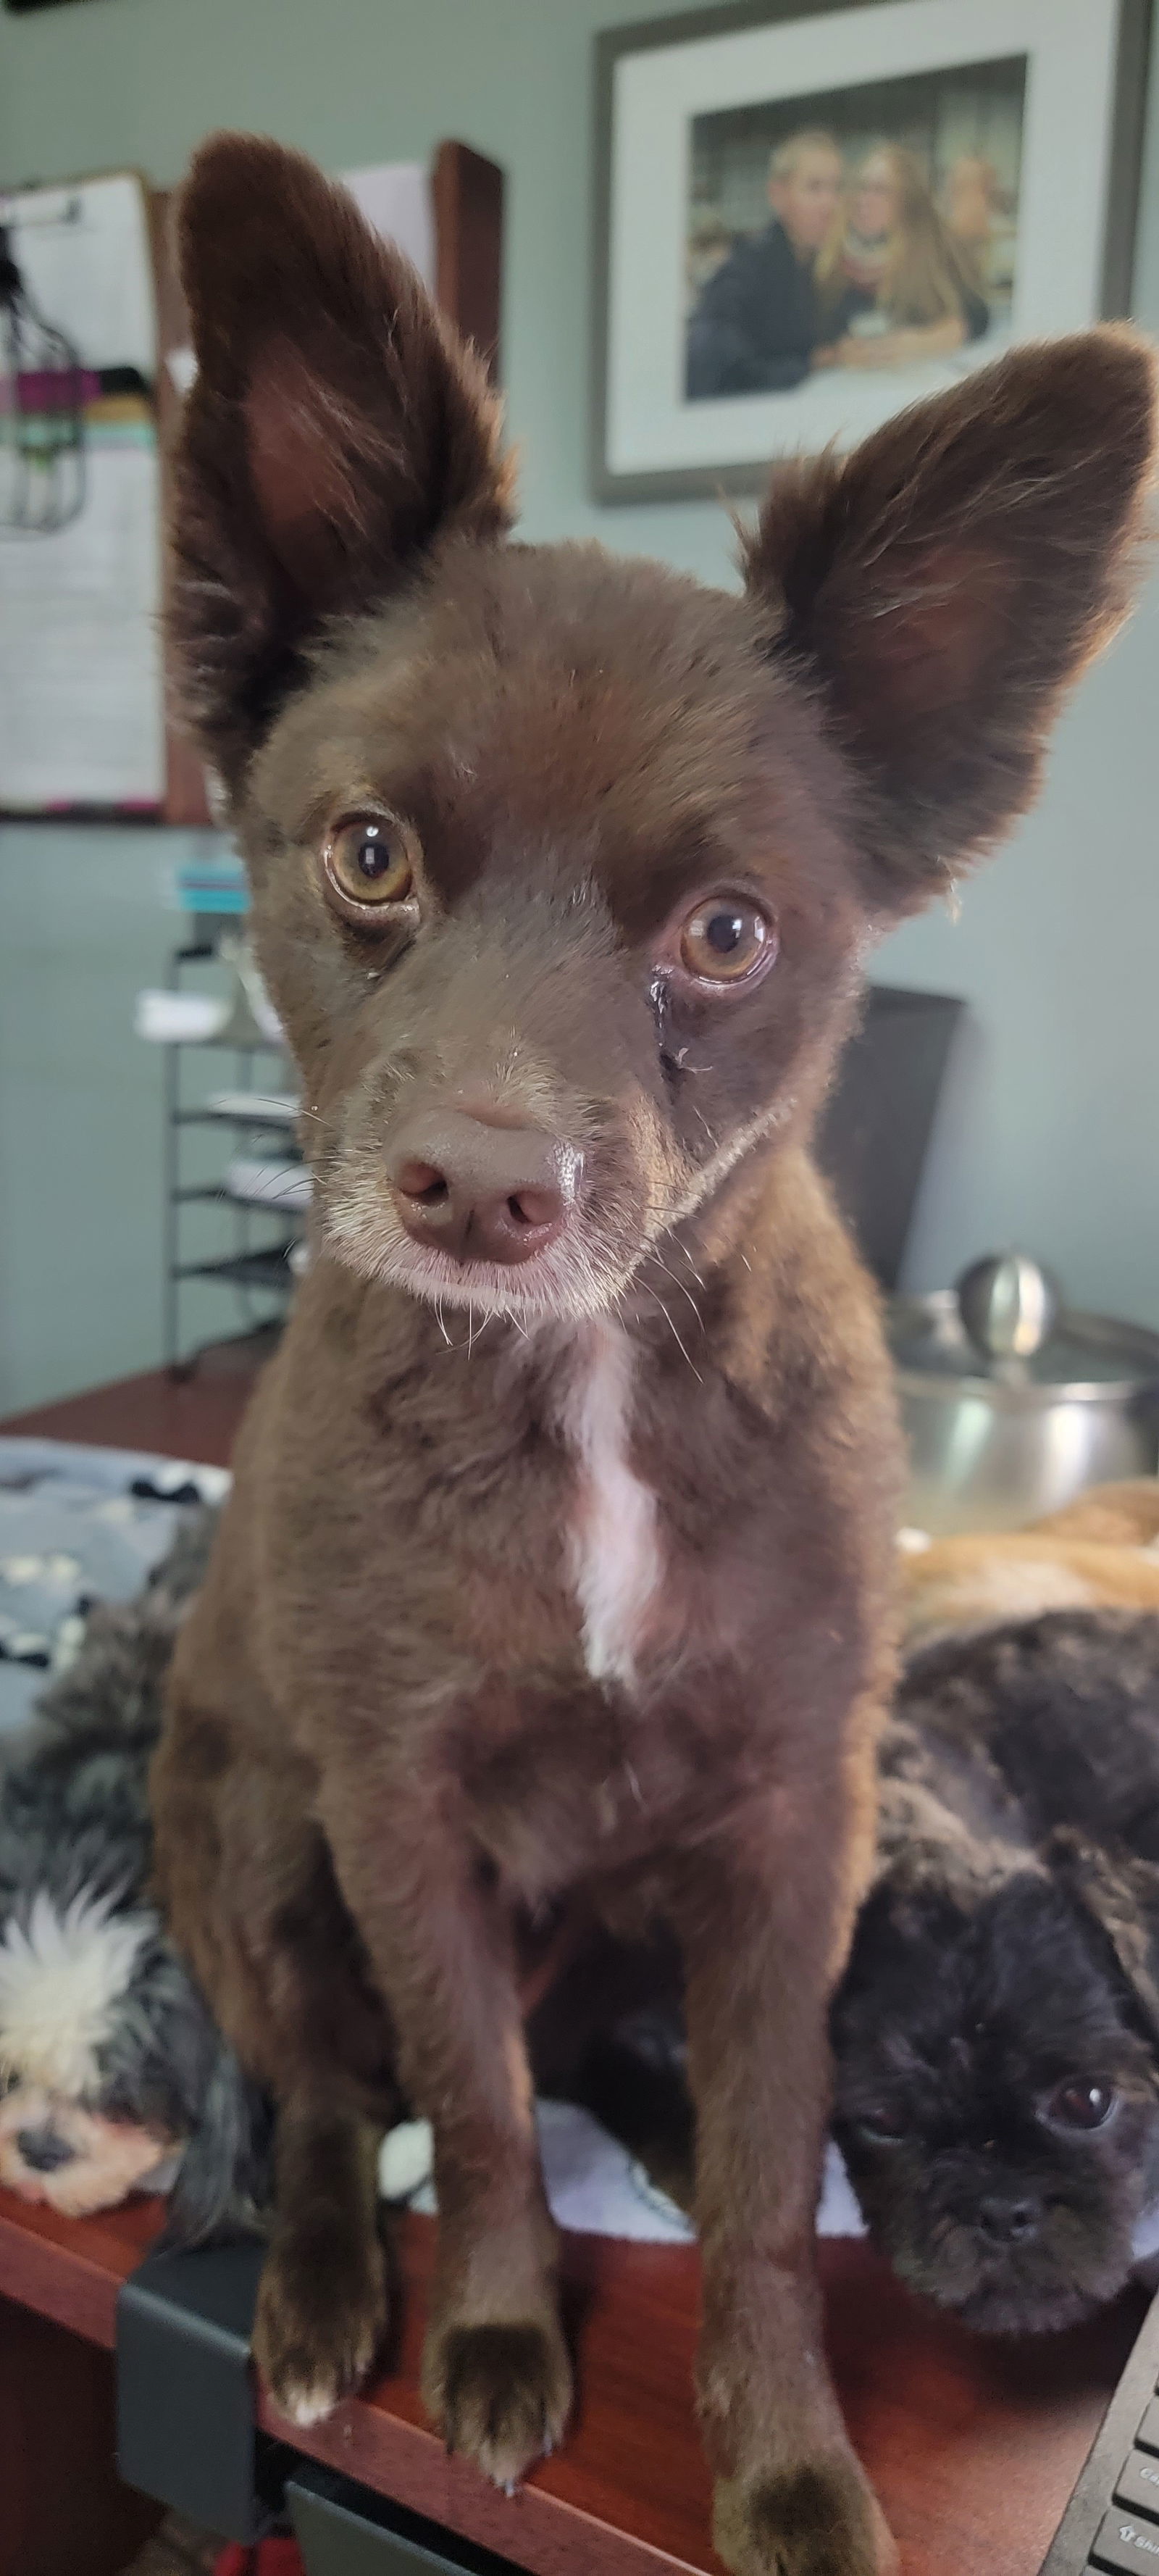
[809, 213]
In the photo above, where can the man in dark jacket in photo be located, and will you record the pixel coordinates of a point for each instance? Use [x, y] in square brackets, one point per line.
[756, 327]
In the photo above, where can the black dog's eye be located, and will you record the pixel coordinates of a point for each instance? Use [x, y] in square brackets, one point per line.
[885, 2129]
[1076, 2105]
[369, 862]
[727, 939]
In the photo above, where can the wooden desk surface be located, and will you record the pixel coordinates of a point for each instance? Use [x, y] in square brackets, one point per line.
[973, 2446]
[191, 1417]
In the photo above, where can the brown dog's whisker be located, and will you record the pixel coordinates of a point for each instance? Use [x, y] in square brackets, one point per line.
[679, 1285]
[697, 1275]
[680, 1345]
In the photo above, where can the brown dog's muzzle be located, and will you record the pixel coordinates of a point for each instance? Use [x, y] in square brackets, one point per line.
[478, 1191]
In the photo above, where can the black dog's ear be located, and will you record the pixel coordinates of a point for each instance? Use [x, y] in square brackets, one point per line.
[1120, 1893]
[916, 1833]
[224, 2178]
[336, 427]
[944, 583]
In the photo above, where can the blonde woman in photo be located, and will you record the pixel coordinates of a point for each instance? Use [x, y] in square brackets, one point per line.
[893, 285]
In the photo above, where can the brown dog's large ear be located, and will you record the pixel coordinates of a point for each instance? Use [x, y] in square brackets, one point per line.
[1120, 1892]
[945, 582]
[336, 427]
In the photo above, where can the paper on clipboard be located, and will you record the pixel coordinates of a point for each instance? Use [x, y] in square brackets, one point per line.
[85, 256]
[395, 196]
[81, 684]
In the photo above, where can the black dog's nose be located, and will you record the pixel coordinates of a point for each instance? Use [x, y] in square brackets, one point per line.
[480, 1192]
[42, 2150]
[1008, 2220]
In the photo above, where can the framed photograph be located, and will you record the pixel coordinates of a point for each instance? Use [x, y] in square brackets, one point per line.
[809, 216]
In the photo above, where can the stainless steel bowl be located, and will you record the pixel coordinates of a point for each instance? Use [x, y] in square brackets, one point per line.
[996, 1440]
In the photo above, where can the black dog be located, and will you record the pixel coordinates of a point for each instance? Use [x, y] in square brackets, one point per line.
[997, 2032]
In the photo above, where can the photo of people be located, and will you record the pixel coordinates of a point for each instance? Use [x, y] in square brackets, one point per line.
[872, 227]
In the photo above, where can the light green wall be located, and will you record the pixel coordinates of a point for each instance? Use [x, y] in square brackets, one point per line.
[86, 920]
[82, 926]
[137, 82]
[1049, 1131]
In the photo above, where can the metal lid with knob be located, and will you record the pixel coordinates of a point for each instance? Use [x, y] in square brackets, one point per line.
[1005, 1326]
[1008, 1305]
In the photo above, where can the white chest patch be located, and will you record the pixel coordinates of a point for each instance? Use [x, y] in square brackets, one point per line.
[63, 1974]
[614, 1542]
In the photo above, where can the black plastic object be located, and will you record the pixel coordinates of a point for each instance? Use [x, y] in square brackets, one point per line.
[1098, 2530]
[185, 2408]
[876, 1124]
[345, 2530]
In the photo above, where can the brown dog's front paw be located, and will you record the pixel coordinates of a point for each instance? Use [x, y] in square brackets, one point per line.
[321, 2314]
[501, 2393]
[818, 2518]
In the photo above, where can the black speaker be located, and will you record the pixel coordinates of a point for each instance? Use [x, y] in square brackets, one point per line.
[877, 1121]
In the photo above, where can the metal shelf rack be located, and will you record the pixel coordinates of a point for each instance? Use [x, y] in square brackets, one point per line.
[254, 1270]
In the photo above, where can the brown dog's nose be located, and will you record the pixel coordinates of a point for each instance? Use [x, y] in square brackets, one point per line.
[478, 1192]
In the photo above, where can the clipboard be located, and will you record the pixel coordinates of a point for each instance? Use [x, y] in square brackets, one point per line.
[125, 757]
[82, 715]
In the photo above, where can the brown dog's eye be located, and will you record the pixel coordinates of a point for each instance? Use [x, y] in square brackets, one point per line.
[1081, 2106]
[727, 939]
[369, 864]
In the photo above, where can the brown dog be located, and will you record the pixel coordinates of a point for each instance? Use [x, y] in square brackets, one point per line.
[557, 1563]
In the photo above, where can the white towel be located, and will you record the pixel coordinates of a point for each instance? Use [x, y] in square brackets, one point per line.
[594, 2186]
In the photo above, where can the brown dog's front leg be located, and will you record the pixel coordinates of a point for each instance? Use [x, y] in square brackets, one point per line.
[761, 1940]
[495, 2370]
[322, 2298]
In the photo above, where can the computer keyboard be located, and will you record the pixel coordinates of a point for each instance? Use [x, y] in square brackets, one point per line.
[1112, 2520]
